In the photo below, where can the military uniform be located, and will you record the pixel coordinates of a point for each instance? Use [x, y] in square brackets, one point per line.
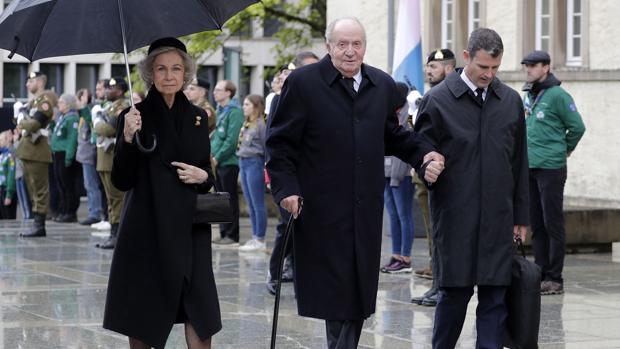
[104, 126]
[35, 153]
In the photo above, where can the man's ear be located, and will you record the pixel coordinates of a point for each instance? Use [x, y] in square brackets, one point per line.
[466, 56]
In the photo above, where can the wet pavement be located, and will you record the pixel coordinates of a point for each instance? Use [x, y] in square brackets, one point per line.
[52, 295]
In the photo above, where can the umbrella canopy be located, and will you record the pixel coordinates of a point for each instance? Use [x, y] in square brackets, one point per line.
[38, 29]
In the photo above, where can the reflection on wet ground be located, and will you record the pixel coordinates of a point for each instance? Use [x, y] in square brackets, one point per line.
[52, 293]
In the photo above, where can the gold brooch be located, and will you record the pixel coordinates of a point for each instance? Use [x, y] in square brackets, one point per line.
[198, 118]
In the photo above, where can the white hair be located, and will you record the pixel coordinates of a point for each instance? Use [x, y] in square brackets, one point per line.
[70, 100]
[330, 27]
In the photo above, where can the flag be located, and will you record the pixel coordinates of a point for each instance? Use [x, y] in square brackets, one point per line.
[407, 65]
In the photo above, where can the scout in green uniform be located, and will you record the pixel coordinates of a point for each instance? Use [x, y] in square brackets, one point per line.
[554, 127]
[34, 150]
[64, 136]
[104, 126]
[7, 177]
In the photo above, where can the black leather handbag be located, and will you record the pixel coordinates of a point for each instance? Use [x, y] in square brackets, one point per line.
[213, 208]
[523, 303]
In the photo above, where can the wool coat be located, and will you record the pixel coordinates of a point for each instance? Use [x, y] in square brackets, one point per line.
[161, 270]
[483, 191]
[326, 143]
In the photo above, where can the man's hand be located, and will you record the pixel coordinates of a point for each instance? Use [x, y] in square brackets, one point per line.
[520, 231]
[291, 205]
[435, 167]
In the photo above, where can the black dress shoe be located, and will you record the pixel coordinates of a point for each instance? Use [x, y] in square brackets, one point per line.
[34, 233]
[109, 244]
[89, 221]
[430, 301]
[67, 218]
[417, 300]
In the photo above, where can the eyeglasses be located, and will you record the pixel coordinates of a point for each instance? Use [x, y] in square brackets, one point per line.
[219, 89]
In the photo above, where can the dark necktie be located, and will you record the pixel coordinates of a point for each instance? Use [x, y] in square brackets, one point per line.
[479, 92]
[349, 82]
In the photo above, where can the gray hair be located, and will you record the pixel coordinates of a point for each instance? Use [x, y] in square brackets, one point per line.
[70, 100]
[485, 39]
[145, 67]
[330, 27]
[301, 56]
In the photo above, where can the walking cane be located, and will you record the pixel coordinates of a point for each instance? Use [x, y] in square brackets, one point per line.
[276, 306]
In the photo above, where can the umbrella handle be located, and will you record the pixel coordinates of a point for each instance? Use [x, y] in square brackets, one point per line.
[136, 137]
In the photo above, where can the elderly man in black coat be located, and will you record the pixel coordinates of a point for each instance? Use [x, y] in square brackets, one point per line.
[334, 123]
[480, 201]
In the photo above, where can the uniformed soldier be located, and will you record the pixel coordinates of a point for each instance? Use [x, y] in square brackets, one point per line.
[104, 126]
[34, 149]
[197, 92]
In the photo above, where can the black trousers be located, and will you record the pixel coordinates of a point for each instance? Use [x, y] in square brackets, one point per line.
[547, 219]
[343, 334]
[65, 177]
[226, 178]
[7, 211]
[54, 195]
[450, 314]
[278, 244]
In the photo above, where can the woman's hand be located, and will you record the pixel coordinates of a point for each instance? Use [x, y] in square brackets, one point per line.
[189, 174]
[133, 124]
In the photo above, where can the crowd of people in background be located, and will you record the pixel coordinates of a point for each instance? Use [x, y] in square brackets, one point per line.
[64, 146]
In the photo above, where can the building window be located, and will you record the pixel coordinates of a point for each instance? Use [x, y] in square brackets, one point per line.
[447, 24]
[574, 33]
[543, 25]
[55, 76]
[473, 18]
[14, 80]
[86, 76]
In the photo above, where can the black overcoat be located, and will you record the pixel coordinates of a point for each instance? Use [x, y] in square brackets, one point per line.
[162, 264]
[327, 143]
[483, 191]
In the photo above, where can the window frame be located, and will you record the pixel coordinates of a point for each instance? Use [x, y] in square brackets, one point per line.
[538, 37]
[471, 20]
[447, 41]
[571, 59]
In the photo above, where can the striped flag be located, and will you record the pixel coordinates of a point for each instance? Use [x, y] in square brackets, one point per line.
[408, 47]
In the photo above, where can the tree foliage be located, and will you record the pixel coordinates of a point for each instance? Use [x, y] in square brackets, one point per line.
[300, 21]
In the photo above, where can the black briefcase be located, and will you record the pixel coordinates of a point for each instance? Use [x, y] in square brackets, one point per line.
[523, 303]
[213, 208]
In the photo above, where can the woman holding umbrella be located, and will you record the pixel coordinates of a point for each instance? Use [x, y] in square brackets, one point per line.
[161, 272]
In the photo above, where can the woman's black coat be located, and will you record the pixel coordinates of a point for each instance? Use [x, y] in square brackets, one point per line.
[327, 144]
[160, 260]
[483, 191]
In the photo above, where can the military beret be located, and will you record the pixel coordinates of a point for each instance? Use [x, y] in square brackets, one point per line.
[170, 42]
[440, 55]
[35, 74]
[290, 66]
[202, 83]
[537, 57]
[120, 82]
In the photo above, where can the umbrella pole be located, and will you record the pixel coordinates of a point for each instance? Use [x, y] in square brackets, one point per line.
[125, 55]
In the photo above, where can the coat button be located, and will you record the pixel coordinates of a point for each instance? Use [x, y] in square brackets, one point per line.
[357, 120]
[359, 160]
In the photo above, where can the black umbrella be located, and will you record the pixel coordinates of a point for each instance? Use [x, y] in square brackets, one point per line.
[38, 29]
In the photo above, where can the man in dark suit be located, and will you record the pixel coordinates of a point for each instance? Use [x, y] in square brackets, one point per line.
[481, 199]
[335, 122]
